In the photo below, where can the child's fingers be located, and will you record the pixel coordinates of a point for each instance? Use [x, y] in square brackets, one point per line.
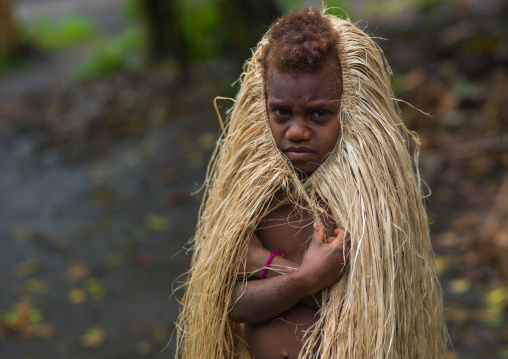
[339, 235]
[339, 232]
[338, 241]
[333, 240]
[319, 232]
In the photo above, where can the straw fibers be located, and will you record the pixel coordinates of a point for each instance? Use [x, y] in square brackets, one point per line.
[388, 304]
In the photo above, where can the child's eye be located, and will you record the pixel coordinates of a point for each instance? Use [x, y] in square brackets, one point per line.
[320, 113]
[281, 112]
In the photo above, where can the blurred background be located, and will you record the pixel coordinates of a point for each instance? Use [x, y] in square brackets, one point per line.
[107, 125]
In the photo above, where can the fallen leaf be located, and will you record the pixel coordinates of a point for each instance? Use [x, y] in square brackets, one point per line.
[206, 142]
[36, 286]
[76, 296]
[491, 316]
[78, 271]
[95, 288]
[159, 333]
[28, 268]
[26, 320]
[459, 286]
[8, 318]
[115, 260]
[496, 298]
[35, 316]
[450, 355]
[443, 263]
[157, 223]
[93, 338]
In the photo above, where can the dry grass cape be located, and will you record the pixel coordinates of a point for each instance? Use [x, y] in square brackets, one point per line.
[389, 303]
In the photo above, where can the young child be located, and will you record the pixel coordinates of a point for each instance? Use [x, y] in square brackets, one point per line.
[312, 240]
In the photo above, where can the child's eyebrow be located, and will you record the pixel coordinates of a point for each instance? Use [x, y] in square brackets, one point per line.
[326, 103]
[277, 102]
[323, 103]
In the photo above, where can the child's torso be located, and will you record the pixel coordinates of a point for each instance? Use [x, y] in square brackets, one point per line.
[290, 230]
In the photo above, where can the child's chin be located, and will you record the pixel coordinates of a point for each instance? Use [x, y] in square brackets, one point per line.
[306, 170]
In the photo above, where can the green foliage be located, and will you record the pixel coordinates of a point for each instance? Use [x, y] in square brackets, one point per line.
[389, 8]
[427, 3]
[111, 55]
[395, 8]
[106, 54]
[68, 32]
[4, 65]
[397, 82]
[200, 22]
[336, 7]
[131, 10]
[291, 5]
[287, 5]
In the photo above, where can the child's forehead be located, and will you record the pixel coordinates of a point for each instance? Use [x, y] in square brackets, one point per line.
[326, 75]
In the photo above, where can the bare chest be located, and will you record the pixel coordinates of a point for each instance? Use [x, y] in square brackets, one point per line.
[291, 230]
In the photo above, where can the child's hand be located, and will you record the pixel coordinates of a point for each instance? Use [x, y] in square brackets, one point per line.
[340, 235]
[324, 263]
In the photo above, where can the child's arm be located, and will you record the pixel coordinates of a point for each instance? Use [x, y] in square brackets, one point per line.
[259, 300]
[257, 256]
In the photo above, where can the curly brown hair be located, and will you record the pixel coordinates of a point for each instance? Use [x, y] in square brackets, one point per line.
[301, 41]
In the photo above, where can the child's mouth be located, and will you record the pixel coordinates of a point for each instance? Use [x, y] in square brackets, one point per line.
[299, 153]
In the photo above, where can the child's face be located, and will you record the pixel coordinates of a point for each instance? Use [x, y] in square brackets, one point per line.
[303, 112]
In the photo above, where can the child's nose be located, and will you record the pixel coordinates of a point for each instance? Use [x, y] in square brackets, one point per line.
[298, 131]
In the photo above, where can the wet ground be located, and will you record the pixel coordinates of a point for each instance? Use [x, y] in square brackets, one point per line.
[92, 231]
[97, 242]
